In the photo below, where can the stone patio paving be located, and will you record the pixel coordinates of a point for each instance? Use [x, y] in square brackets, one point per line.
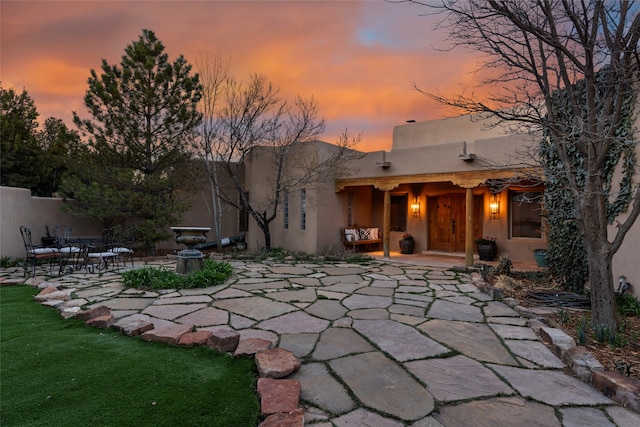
[381, 344]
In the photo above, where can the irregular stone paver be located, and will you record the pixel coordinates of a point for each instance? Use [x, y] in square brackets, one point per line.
[128, 303]
[299, 295]
[514, 332]
[551, 387]
[484, 345]
[535, 352]
[183, 300]
[205, 317]
[257, 308]
[381, 384]
[509, 411]
[448, 310]
[623, 417]
[294, 323]
[338, 342]
[327, 309]
[400, 341]
[458, 378]
[321, 389]
[580, 417]
[170, 312]
[362, 417]
[299, 344]
[356, 301]
[368, 313]
[496, 308]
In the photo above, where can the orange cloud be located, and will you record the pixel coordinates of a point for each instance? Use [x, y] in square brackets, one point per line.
[358, 58]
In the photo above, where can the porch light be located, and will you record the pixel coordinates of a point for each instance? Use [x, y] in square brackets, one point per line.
[494, 206]
[415, 207]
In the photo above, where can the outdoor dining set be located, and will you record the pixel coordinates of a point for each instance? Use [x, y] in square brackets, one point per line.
[68, 253]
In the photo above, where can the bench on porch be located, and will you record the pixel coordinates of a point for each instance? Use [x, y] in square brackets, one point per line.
[365, 237]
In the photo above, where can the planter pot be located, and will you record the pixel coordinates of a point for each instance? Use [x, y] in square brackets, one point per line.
[407, 246]
[487, 251]
[541, 257]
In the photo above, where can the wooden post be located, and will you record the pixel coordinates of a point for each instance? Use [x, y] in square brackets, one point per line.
[468, 236]
[386, 226]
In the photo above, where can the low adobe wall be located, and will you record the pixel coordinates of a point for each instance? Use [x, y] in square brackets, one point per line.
[18, 207]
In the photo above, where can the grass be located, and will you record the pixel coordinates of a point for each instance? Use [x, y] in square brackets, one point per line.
[57, 372]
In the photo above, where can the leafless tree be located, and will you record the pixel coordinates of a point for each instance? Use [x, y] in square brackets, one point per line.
[214, 72]
[565, 71]
[247, 121]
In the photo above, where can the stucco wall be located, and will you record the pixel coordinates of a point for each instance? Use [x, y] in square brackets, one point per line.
[17, 208]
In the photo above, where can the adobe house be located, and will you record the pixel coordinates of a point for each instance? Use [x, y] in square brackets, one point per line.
[446, 182]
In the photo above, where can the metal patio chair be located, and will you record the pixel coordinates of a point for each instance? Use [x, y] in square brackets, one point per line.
[36, 254]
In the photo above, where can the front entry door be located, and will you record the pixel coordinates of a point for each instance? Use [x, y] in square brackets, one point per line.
[447, 221]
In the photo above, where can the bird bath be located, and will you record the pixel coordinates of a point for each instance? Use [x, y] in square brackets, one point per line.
[190, 259]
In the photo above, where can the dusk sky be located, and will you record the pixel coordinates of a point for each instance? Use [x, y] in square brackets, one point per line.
[358, 58]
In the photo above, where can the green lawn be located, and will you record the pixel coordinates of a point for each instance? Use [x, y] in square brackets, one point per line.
[56, 372]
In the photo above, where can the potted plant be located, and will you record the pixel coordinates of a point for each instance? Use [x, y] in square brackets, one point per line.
[541, 257]
[407, 244]
[487, 248]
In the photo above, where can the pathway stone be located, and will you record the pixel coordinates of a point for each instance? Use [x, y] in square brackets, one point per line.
[294, 323]
[458, 378]
[509, 411]
[171, 312]
[299, 344]
[496, 308]
[484, 346]
[327, 309]
[514, 332]
[447, 310]
[321, 389]
[536, 352]
[580, 417]
[207, 316]
[356, 301]
[257, 308]
[551, 387]
[381, 384]
[362, 417]
[338, 342]
[402, 342]
[298, 295]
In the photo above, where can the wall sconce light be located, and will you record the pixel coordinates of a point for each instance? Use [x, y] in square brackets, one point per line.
[415, 207]
[494, 206]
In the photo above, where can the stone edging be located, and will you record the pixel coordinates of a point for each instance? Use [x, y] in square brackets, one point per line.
[279, 397]
[619, 388]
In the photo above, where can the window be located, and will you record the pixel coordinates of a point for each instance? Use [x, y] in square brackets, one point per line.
[303, 209]
[243, 216]
[285, 208]
[525, 209]
[399, 212]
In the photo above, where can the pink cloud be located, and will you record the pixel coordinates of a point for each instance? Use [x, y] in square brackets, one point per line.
[359, 59]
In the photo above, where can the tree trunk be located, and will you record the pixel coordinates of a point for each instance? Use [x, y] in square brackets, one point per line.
[599, 260]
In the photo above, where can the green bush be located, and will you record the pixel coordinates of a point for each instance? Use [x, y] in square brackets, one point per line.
[152, 278]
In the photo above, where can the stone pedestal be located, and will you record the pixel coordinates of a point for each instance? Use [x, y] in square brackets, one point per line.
[190, 259]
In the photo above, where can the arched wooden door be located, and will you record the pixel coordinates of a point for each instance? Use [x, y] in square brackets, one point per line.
[447, 221]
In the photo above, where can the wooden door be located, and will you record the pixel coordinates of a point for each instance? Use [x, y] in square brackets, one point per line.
[447, 221]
